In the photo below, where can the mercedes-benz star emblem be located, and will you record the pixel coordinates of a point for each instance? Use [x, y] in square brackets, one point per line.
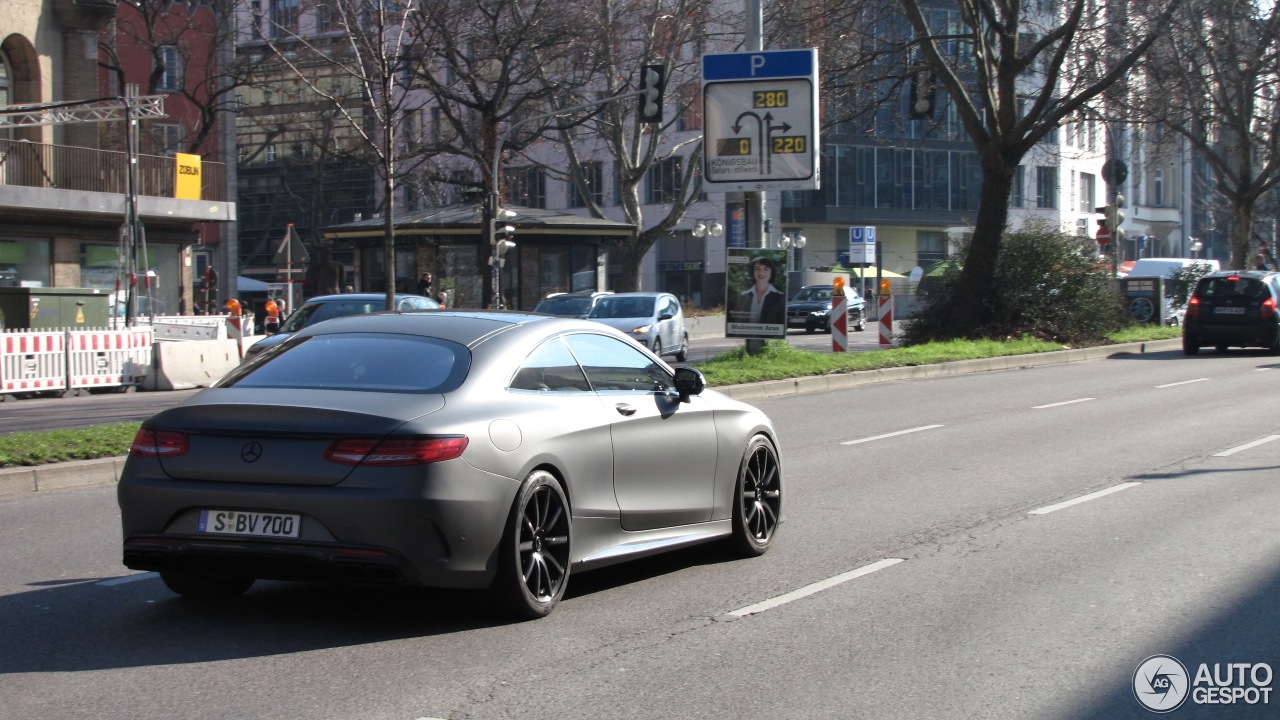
[251, 451]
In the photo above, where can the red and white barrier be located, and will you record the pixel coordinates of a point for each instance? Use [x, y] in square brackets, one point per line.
[108, 358]
[886, 321]
[33, 361]
[839, 323]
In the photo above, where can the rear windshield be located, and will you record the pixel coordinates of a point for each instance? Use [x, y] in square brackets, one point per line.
[312, 313]
[1232, 287]
[623, 307]
[357, 361]
[564, 306]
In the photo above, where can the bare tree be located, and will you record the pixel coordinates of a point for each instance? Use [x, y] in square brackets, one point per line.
[630, 34]
[367, 45]
[1014, 74]
[1214, 81]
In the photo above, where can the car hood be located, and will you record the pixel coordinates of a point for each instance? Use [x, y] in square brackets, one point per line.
[626, 325]
[808, 305]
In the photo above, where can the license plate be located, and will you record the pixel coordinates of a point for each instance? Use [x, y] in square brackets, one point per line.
[252, 524]
[1228, 311]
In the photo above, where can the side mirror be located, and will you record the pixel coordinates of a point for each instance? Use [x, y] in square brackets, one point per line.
[689, 382]
[666, 316]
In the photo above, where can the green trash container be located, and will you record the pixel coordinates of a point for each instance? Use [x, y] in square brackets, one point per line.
[24, 308]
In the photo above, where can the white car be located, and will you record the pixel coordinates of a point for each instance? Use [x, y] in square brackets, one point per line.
[652, 319]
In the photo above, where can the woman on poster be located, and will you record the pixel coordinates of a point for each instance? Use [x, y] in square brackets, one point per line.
[765, 303]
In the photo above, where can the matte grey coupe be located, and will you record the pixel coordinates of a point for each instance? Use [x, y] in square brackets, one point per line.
[449, 449]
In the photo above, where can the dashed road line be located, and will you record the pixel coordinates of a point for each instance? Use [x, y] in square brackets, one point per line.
[1184, 382]
[814, 588]
[1083, 498]
[1060, 404]
[1246, 446]
[889, 435]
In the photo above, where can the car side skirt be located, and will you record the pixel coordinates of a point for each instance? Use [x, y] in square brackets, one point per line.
[599, 543]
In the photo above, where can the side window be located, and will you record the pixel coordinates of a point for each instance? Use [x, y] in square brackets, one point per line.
[613, 365]
[550, 368]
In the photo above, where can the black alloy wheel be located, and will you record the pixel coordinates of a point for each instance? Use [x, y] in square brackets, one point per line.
[757, 502]
[533, 564]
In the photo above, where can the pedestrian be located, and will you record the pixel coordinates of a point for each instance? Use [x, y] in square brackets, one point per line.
[443, 298]
[424, 284]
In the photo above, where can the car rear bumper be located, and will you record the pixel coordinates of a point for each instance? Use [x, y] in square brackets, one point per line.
[441, 530]
[1245, 335]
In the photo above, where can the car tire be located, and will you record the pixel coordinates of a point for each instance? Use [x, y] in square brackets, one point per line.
[810, 326]
[683, 353]
[1189, 346]
[200, 586]
[861, 325]
[825, 326]
[757, 499]
[533, 561]
[657, 346]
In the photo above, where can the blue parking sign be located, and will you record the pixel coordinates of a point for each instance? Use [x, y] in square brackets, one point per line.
[862, 245]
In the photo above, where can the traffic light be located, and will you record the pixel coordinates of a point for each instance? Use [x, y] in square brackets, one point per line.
[653, 81]
[504, 239]
[1115, 217]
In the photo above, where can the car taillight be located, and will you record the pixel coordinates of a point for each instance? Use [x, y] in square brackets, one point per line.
[158, 443]
[1193, 307]
[1268, 309]
[395, 452]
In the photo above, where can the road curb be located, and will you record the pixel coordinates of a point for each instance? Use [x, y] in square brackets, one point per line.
[81, 473]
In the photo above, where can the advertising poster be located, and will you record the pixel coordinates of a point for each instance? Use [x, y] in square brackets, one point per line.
[756, 294]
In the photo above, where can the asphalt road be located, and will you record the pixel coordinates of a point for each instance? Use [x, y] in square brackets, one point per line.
[999, 545]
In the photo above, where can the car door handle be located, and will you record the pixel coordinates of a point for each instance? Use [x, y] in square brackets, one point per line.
[625, 409]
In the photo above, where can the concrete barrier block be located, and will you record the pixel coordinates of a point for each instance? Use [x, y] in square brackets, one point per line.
[187, 365]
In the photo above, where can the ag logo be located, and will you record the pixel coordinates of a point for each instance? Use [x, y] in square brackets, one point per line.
[1161, 683]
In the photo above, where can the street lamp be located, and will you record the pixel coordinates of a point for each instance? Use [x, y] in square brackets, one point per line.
[707, 227]
[790, 241]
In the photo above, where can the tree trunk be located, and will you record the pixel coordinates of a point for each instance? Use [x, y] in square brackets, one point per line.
[632, 255]
[972, 308]
[1242, 247]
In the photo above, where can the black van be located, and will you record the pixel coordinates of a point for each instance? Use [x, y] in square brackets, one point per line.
[1233, 309]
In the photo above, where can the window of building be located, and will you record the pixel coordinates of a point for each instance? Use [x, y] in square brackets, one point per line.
[1157, 188]
[1088, 192]
[166, 138]
[1018, 195]
[931, 248]
[526, 186]
[326, 17]
[24, 262]
[690, 117]
[664, 181]
[168, 61]
[1046, 187]
[270, 153]
[284, 18]
[593, 175]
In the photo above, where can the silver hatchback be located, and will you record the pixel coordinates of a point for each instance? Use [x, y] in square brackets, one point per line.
[653, 319]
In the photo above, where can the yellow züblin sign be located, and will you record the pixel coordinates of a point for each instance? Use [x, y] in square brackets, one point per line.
[186, 185]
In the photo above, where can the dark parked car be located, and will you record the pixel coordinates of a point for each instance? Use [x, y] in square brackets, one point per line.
[325, 307]
[574, 304]
[1233, 309]
[810, 308]
[450, 449]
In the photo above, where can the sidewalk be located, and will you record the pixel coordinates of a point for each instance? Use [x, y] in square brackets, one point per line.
[82, 473]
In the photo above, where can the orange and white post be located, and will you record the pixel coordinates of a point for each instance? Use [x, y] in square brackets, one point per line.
[886, 314]
[839, 322]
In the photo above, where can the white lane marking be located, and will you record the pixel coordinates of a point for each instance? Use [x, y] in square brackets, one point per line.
[889, 435]
[1059, 404]
[1083, 498]
[1246, 446]
[1184, 382]
[128, 579]
[1261, 369]
[813, 588]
